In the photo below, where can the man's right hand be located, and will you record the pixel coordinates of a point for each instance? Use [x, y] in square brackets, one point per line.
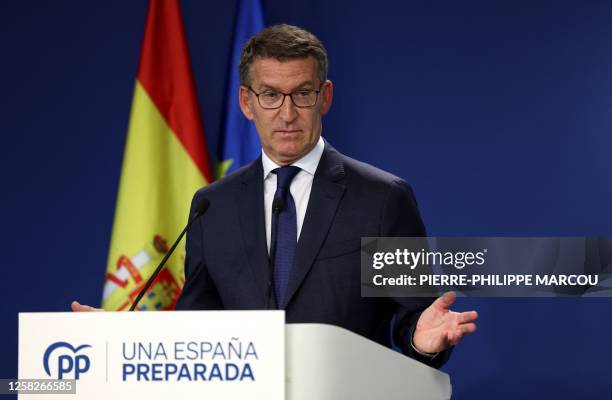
[76, 306]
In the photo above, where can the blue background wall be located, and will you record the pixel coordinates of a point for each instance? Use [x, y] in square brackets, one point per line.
[498, 113]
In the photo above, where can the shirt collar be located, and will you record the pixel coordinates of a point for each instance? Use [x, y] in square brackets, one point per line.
[308, 163]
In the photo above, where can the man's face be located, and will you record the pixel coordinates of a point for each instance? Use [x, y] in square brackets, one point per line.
[287, 133]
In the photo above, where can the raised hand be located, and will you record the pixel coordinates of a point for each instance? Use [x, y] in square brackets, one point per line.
[439, 328]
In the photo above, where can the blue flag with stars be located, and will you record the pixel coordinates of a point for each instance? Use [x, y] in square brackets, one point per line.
[239, 143]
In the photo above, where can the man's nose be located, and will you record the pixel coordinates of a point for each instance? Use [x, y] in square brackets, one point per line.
[288, 110]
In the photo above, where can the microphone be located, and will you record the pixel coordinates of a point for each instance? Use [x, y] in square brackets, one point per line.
[199, 209]
[277, 206]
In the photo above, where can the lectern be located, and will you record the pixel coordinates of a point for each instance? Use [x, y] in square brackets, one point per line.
[212, 355]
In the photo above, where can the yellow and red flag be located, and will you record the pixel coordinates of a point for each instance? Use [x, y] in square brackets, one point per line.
[165, 162]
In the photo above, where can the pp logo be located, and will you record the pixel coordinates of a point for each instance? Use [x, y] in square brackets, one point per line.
[68, 361]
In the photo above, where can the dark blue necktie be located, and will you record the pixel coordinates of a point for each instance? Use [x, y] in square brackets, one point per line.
[286, 223]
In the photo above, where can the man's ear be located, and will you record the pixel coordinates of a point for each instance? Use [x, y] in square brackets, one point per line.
[245, 104]
[327, 96]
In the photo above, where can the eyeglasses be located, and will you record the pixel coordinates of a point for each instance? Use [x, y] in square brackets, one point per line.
[271, 100]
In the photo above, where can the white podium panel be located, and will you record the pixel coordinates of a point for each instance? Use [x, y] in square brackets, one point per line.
[156, 355]
[325, 362]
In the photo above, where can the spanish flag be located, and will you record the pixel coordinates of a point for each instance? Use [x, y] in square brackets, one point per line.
[164, 163]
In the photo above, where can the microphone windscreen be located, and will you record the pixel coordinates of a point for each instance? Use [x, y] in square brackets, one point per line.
[278, 204]
[201, 206]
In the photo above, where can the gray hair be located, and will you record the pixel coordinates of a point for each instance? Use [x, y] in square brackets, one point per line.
[282, 42]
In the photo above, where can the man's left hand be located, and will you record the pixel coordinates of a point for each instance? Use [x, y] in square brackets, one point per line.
[439, 328]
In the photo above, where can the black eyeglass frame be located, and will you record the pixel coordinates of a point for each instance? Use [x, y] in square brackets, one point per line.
[285, 95]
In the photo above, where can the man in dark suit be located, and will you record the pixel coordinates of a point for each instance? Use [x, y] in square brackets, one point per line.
[285, 230]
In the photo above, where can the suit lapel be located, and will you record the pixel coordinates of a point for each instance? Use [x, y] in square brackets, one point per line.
[325, 195]
[251, 214]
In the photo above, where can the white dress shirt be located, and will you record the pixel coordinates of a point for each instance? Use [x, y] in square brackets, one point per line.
[300, 186]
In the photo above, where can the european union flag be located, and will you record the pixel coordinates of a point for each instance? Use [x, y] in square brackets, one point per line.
[239, 143]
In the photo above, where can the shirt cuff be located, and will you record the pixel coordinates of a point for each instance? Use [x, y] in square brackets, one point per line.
[431, 356]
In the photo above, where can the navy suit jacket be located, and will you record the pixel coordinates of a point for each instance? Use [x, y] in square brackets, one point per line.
[227, 263]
